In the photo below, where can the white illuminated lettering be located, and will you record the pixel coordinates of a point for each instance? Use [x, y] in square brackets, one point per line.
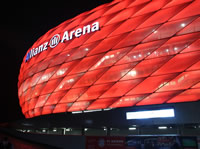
[45, 46]
[35, 51]
[95, 26]
[78, 32]
[65, 36]
[40, 49]
[86, 28]
[32, 52]
[71, 34]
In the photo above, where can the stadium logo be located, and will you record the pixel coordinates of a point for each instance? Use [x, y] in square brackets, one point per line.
[55, 40]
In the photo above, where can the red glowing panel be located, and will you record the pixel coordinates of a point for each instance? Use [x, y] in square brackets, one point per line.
[36, 78]
[58, 50]
[154, 83]
[138, 2]
[169, 29]
[76, 42]
[152, 6]
[179, 63]
[55, 97]
[50, 86]
[176, 2]
[60, 108]
[196, 66]
[162, 16]
[140, 52]
[95, 91]
[47, 109]
[124, 14]
[180, 83]
[86, 63]
[101, 103]
[105, 31]
[193, 27]
[115, 73]
[110, 58]
[121, 88]
[128, 101]
[145, 68]
[136, 36]
[32, 103]
[196, 85]
[72, 95]
[37, 90]
[118, 7]
[82, 51]
[95, 15]
[47, 74]
[126, 27]
[43, 65]
[59, 59]
[68, 81]
[42, 100]
[64, 69]
[89, 78]
[107, 44]
[79, 106]
[37, 112]
[191, 10]
[186, 96]
[193, 47]
[158, 98]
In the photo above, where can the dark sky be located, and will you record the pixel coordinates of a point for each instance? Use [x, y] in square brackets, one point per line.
[22, 23]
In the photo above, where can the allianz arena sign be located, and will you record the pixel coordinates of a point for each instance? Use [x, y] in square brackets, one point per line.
[54, 41]
[121, 54]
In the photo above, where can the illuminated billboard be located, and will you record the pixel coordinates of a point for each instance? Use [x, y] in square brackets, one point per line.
[121, 54]
[163, 113]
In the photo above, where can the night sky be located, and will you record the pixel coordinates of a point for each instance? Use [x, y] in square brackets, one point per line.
[22, 23]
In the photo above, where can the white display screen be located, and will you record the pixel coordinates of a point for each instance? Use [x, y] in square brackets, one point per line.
[150, 114]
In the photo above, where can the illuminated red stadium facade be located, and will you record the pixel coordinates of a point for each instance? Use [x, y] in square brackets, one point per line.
[120, 54]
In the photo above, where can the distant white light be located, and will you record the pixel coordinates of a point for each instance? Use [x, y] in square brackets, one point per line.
[87, 111]
[107, 109]
[132, 128]
[175, 48]
[86, 129]
[54, 130]
[162, 127]
[68, 129]
[183, 25]
[76, 112]
[150, 114]
[43, 130]
[132, 73]
[60, 72]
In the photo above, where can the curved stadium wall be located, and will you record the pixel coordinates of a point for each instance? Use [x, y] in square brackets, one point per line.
[120, 54]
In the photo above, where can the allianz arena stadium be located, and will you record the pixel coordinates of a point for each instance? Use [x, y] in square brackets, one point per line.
[121, 54]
